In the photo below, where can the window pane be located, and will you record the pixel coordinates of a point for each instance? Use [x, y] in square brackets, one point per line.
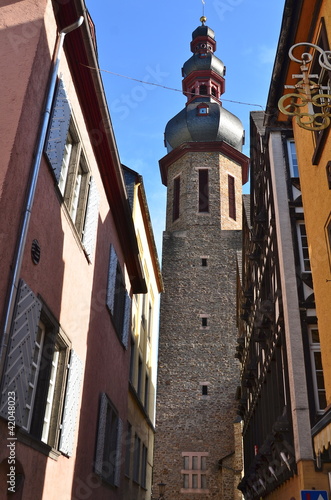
[50, 396]
[203, 191]
[315, 338]
[65, 164]
[203, 463]
[186, 463]
[318, 360]
[232, 197]
[293, 159]
[203, 481]
[176, 198]
[195, 481]
[75, 198]
[185, 481]
[320, 380]
[322, 399]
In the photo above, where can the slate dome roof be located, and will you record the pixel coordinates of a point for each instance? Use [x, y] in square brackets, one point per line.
[197, 63]
[217, 125]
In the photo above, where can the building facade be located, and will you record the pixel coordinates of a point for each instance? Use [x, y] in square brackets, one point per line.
[282, 390]
[70, 263]
[308, 24]
[143, 355]
[195, 452]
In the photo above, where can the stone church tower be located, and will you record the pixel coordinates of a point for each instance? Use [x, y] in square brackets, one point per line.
[198, 374]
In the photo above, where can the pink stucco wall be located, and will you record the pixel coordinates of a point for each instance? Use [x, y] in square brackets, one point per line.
[72, 288]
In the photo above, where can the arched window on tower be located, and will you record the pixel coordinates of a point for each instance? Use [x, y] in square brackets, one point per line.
[214, 91]
[203, 89]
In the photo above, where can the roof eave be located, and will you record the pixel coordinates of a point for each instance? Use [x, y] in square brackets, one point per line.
[81, 56]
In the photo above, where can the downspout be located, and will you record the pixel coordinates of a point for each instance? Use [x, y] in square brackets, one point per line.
[16, 268]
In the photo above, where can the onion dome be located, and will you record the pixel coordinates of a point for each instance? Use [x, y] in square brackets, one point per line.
[203, 119]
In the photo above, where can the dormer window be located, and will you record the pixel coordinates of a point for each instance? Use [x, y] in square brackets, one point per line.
[203, 109]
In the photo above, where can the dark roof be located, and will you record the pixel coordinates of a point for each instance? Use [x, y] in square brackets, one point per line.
[218, 125]
[247, 208]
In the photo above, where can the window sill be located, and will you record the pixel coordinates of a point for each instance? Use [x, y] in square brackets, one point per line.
[26, 438]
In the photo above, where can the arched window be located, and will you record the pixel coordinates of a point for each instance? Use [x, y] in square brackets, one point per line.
[203, 90]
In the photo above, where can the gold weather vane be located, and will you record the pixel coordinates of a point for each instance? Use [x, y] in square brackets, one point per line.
[308, 94]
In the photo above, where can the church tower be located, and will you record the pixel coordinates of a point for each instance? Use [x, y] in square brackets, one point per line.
[198, 376]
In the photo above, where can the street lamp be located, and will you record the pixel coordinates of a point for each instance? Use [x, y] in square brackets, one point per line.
[161, 486]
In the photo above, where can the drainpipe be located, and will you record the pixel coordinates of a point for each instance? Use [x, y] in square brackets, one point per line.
[32, 187]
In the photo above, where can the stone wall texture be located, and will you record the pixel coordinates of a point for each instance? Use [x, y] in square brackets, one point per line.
[191, 354]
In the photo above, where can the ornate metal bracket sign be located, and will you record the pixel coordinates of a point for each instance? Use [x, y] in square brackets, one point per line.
[310, 102]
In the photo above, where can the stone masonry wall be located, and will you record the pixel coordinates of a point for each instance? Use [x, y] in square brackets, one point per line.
[191, 354]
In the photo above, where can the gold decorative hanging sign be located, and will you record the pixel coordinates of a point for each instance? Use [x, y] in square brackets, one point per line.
[308, 103]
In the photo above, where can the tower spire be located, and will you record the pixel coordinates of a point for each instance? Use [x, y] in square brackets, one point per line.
[203, 19]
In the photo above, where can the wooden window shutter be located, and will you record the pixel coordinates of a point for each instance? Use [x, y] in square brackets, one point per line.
[118, 462]
[58, 130]
[71, 404]
[127, 320]
[109, 443]
[20, 354]
[111, 279]
[98, 466]
[91, 219]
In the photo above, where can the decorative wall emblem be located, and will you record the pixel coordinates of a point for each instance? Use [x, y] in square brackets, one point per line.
[310, 102]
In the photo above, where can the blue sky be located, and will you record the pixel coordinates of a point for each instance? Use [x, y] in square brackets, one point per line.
[149, 41]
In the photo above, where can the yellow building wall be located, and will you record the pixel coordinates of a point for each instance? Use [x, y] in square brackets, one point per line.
[316, 194]
[307, 479]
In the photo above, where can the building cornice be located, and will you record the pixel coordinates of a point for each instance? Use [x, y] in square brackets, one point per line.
[207, 147]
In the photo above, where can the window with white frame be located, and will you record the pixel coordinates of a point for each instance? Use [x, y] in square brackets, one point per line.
[46, 392]
[303, 247]
[317, 369]
[292, 158]
[64, 151]
[194, 472]
[45, 386]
